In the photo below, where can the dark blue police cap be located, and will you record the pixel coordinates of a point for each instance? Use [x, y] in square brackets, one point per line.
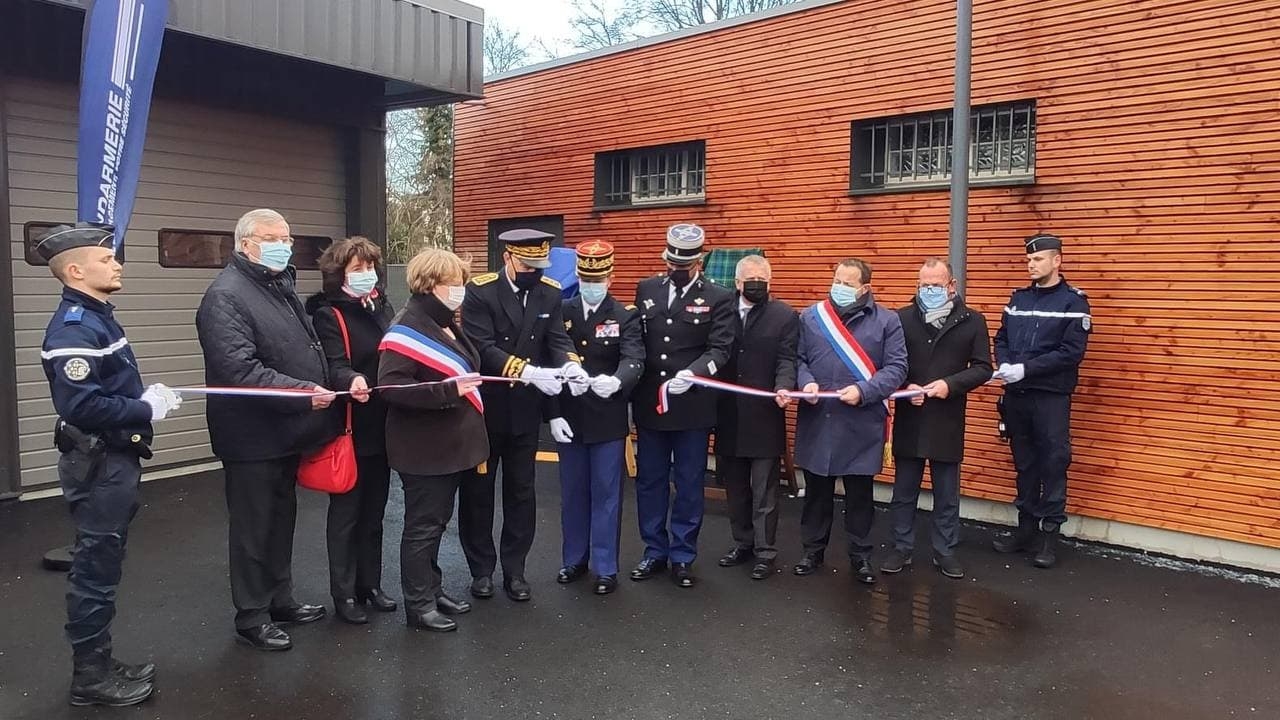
[84, 234]
[1043, 241]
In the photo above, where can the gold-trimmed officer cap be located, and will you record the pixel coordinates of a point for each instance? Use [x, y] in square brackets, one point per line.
[65, 237]
[531, 247]
[1043, 241]
[594, 259]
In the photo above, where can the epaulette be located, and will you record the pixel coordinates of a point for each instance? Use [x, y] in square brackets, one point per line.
[1078, 291]
[629, 307]
[74, 315]
[551, 282]
[484, 279]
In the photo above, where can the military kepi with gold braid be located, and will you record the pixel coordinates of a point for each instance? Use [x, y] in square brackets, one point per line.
[595, 260]
[531, 247]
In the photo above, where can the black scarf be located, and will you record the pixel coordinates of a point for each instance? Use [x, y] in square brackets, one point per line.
[436, 310]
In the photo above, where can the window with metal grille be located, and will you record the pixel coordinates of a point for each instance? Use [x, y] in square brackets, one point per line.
[914, 151]
[658, 175]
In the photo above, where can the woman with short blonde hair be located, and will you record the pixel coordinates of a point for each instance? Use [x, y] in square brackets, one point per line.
[436, 435]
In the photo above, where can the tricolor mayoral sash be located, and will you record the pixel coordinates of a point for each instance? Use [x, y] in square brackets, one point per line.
[434, 354]
[844, 343]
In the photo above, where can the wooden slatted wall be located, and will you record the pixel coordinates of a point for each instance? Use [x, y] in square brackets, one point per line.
[1158, 160]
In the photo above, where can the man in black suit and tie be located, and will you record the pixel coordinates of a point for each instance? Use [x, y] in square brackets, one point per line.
[513, 317]
[751, 432]
[688, 330]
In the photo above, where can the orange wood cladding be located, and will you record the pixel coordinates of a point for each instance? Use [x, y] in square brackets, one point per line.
[1157, 160]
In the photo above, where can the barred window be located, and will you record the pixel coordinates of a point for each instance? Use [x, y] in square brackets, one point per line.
[912, 151]
[659, 175]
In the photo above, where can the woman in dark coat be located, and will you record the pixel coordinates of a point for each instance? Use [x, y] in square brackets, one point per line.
[436, 435]
[351, 270]
[948, 355]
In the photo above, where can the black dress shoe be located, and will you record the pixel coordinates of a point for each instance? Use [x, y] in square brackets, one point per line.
[736, 556]
[268, 637]
[682, 574]
[647, 568]
[808, 565]
[517, 589]
[377, 599]
[482, 587]
[606, 584]
[449, 606]
[349, 611]
[298, 614]
[762, 569]
[111, 691]
[432, 620]
[142, 672]
[862, 570]
[569, 573]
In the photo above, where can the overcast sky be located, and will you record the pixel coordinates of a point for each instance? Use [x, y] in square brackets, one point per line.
[547, 20]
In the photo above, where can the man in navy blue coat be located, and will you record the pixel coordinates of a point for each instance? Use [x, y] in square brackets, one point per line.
[851, 344]
[1039, 348]
[103, 432]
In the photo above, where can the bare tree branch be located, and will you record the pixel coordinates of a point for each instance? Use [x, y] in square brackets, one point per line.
[602, 23]
[504, 49]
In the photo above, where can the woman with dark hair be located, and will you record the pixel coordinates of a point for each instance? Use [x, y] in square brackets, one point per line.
[353, 284]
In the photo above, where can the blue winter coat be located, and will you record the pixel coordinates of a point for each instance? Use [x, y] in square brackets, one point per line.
[833, 438]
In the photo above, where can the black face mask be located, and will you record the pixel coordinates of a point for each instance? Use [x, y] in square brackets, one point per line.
[755, 291]
[527, 280]
[679, 277]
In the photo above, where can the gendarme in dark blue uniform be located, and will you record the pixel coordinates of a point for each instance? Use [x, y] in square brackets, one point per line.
[104, 428]
[1039, 348]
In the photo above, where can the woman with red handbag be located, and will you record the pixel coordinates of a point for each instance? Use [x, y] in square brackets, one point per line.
[350, 316]
[436, 435]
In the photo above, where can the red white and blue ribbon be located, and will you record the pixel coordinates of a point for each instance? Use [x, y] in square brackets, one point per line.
[412, 344]
[664, 402]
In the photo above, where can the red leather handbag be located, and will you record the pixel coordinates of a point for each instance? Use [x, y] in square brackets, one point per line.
[332, 468]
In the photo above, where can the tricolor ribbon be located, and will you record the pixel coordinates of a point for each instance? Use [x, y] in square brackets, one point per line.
[664, 402]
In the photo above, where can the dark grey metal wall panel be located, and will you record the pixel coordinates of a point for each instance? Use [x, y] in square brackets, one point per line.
[427, 43]
[10, 470]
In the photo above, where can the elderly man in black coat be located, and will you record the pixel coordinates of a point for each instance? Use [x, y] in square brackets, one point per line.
[948, 355]
[751, 432]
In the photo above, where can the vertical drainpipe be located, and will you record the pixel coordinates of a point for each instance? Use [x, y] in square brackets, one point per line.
[958, 238]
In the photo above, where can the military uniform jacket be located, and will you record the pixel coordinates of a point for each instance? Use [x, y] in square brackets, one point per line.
[509, 335]
[695, 333]
[764, 356]
[1046, 330]
[609, 342]
[93, 375]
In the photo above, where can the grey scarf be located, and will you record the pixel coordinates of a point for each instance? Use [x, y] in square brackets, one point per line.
[938, 317]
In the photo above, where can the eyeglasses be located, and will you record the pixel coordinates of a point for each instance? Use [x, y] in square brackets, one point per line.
[261, 239]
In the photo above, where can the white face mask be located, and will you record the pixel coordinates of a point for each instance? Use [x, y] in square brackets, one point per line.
[457, 293]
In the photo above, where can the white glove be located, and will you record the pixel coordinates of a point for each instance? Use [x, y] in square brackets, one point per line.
[544, 379]
[576, 378]
[162, 401]
[1011, 373]
[560, 430]
[605, 385]
[679, 385]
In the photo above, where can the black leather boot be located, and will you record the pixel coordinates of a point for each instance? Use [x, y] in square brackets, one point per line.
[93, 682]
[1047, 555]
[349, 611]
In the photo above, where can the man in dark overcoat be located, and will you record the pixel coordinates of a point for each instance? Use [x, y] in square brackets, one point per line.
[948, 355]
[751, 432]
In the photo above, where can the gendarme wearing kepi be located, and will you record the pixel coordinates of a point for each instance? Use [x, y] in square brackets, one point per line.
[64, 237]
[531, 247]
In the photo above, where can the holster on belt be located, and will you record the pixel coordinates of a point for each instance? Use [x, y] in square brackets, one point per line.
[68, 438]
[1001, 427]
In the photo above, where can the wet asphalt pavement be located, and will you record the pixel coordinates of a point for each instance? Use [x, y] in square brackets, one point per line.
[1105, 635]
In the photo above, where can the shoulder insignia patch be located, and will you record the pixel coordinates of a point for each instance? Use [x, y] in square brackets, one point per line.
[551, 282]
[484, 279]
[1086, 323]
[76, 369]
[74, 314]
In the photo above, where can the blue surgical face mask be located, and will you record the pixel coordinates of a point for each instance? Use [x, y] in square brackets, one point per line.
[362, 282]
[932, 297]
[593, 293]
[274, 255]
[843, 295]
